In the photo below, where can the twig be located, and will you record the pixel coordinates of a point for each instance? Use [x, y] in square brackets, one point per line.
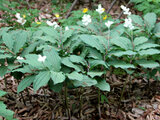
[111, 6]
[122, 11]
[69, 12]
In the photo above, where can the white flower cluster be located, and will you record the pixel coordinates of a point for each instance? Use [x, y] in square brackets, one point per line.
[20, 20]
[86, 19]
[20, 58]
[41, 58]
[128, 21]
[125, 10]
[54, 24]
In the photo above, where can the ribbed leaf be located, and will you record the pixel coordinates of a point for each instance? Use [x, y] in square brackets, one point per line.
[77, 59]
[121, 53]
[50, 31]
[95, 73]
[41, 79]
[103, 85]
[47, 39]
[121, 64]
[93, 53]
[7, 39]
[137, 20]
[146, 46]
[150, 20]
[147, 64]
[95, 63]
[75, 76]
[140, 40]
[122, 42]
[21, 38]
[85, 82]
[67, 34]
[26, 82]
[66, 61]
[53, 61]
[57, 77]
[32, 59]
[149, 52]
[92, 42]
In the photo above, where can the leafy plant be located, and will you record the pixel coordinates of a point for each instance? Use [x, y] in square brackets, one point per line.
[147, 6]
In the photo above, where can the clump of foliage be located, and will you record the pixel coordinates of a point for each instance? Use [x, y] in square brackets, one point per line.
[80, 55]
[147, 6]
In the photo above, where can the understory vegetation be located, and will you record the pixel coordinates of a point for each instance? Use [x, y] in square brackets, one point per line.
[76, 53]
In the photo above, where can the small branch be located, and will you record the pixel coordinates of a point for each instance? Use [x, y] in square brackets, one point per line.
[69, 12]
[111, 6]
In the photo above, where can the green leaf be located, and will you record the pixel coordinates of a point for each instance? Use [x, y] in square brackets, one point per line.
[149, 52]
[140, 40]
[32, 59]
[57, 77]
[3, 70]
[147, 64]
[7, 39]
[41, 79]
[121, 64]
[103, 85]
[146, 46]
[93, 53]
[78, 59]
[8, 114]
[25, 69]
[137, 20]
[75, 76]
[92, 42]
[2, 93]
[122, 42]
[66, 61]
[67, 34]
[121, 53]
[95, 73]
[85, 82]
[95, 63]
[56, 87]
[3, 56]
[50, 31]
[26, 82]
[20, 40]
[53, 61]
[150, 20]
[47, 39]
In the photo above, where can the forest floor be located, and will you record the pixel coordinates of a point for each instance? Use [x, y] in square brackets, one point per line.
[140, 100]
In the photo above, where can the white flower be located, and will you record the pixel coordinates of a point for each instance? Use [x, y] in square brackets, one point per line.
[19, 19]
[20, 58]
[126, 10]
[66, 28]
[100, 10]
[18, 16]
[128, 23]
[52, 24]
[41, 58]
[109, 23]
[86, 19]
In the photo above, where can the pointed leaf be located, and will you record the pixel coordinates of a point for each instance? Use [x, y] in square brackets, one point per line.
[57, 77]
[148, 64]
[75, 76]
[103, 85]
[140, 40]
[41, 80]
[26, 82]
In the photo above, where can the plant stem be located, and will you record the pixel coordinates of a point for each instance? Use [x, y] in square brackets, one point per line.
[99, 103]
[81, 102]
[66, 101]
